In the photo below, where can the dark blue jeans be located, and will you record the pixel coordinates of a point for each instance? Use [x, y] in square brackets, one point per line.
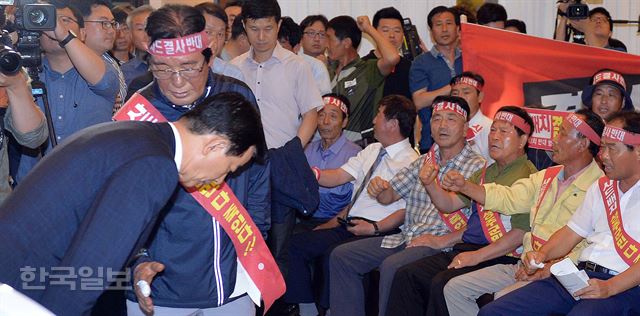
[547, 296]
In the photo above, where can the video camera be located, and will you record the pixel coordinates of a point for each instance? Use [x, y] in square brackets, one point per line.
[577, 10]
[411, 44]
[30, 20]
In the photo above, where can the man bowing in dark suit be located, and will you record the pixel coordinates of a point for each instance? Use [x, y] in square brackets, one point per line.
[89, 205]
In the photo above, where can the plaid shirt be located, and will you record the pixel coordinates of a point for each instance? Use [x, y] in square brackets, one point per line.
[422, 216]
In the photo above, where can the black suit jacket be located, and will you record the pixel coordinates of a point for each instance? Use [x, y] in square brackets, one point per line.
[84, 209]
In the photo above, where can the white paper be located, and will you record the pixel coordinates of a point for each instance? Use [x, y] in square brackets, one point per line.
[569, 276]
[244, 284]
[14, 303]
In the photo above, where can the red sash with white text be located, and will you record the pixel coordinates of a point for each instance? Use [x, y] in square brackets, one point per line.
[223, 205]
[456, 220]
[549, 174]
[626, 247]
[491, 221]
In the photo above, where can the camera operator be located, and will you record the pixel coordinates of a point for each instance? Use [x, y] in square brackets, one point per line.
[100, 32]
[597, 28]
[23, 119]
[81, 85]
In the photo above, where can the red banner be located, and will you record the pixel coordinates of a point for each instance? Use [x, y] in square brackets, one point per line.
[223, 205]
[547, 124]
[526, 70]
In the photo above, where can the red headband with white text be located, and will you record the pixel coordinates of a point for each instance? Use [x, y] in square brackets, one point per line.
[169, 47]
[619, 135]
[583, 128]
[450, 106]
[469, 81]
[513, 119]
[609, 76]
[335, 102]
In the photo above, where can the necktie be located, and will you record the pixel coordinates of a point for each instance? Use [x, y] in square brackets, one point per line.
[367, 177]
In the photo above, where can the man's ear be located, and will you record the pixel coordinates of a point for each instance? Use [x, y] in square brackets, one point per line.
[480, 97]
[524, 138]
[82, 35]
[345, 122]
[215, 144]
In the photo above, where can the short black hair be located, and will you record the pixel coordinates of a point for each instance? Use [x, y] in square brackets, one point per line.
[65, 5]
[346, 27]
[344, 100]
[237, 28]
[231, 115]
[491, 12]
[596, 123]
[176, 20]
[442, 9]
[386, 13]
[604, 12]
[630, 122]
[260, 9]
[306, 22]
[233, 3]
[520, 25]
[462, 9]
[214, 10]
[522, 113]
[468, 74]
[402, 109]
[85, 6]
[120, 15]
[453, 99]
[290, 31]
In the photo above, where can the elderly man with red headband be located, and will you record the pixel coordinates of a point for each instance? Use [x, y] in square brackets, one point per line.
[424, 231]
[363, 217]
[190, 263]
[608, 220]
[489, 239]
[551, 196]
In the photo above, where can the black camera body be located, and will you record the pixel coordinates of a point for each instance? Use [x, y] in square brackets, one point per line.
[578, 11]
[411, 44]
[30, 20]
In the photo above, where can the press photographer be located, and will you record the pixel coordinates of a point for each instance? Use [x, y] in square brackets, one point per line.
[576, 23]
[19, 114]
[81, 85]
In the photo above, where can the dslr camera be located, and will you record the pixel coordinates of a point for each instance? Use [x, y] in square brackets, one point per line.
[31, 19]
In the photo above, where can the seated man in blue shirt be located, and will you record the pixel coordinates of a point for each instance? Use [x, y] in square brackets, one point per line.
[331, 151]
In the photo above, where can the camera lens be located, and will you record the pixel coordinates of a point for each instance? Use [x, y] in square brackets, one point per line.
[38, 17]
[10, 61]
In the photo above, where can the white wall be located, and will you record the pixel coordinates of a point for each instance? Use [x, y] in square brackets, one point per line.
[539, 15]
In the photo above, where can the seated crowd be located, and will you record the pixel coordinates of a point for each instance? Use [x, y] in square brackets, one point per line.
[377, 181]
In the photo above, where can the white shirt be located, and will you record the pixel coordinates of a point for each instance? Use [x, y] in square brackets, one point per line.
[284, 89]
[399, 156]
[222, 67]
[320, 73]
[590, 222]
[481, 126]
[178, 155]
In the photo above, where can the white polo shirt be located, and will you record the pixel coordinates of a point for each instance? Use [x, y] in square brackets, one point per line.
[590, 222]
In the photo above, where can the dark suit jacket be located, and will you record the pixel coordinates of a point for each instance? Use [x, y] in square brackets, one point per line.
[88, 204]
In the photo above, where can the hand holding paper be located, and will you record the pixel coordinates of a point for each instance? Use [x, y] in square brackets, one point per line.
[570, 277]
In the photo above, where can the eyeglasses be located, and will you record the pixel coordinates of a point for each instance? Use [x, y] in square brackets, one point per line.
[164, 74]
[312, 34]
[107, 24]
[67, 19]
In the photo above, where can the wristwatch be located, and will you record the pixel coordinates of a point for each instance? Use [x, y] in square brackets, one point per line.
[67, 39]
[376, 230]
